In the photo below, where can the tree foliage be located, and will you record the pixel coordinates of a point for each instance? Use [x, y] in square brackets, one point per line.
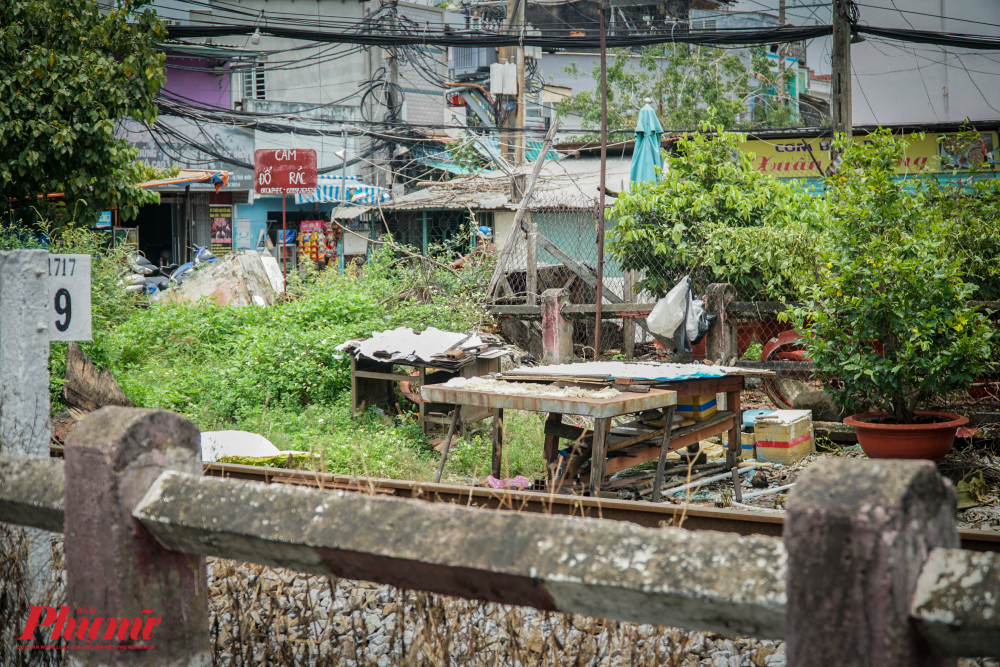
[68, 73]
[712, 214]
[688, 84]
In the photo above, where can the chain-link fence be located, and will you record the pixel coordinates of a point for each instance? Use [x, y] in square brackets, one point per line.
[557, 248]
[563, 254]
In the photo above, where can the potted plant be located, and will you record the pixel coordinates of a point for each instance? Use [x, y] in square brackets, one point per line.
[886, 316]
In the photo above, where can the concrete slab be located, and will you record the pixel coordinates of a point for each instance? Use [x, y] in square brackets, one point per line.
[666, 576]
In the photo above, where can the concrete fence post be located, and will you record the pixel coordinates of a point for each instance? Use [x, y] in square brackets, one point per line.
[557, 331]
[720, 341]
[114, 567]
[857, 535]
[24, 422]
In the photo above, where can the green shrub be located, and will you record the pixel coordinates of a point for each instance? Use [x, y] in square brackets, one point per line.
[887, 315]
[714, 216]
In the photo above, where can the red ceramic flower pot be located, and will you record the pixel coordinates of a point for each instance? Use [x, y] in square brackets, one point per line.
[906, 441]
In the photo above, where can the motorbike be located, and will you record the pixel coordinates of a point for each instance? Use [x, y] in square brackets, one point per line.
[202, 256]
[146, 276]
[151, 278]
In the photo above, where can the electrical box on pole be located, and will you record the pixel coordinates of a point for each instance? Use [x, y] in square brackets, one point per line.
[503, 79]
[840, 102]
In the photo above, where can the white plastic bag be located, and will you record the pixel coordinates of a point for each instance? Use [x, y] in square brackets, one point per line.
[670, 311]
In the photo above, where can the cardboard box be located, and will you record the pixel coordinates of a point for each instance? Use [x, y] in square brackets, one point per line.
[784, 436]
[748, 449]
[698, 408]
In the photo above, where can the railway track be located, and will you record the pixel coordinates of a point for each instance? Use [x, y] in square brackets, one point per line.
[643, 513]
[693, 517]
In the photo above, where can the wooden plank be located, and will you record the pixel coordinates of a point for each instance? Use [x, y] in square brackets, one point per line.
[698, 386]
[498, 433]
[599, 455]
[805, 367]
[757, 307]
[584, 437]
[591, 280]
[392, 377]
[678, 440]
[735, 439]
[531, 279]
[664, 448]
[508, 246]
[575, 311]
[628, 326]
[551, 448]
[455, 415]
[622, 404]
[354, 384]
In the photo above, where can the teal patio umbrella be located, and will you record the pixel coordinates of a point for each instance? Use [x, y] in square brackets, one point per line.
[646, 155]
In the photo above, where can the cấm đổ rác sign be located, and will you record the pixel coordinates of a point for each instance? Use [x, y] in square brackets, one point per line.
[280, 171]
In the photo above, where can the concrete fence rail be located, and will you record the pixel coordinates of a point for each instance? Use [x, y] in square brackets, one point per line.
[867, 571]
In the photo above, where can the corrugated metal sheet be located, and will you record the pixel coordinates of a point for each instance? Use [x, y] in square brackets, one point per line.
[533, 148]
[567, 183]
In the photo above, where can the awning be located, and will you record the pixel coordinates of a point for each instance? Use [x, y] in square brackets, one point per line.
[218, 178]
[184, 176]
[349, 212]
[336, 190]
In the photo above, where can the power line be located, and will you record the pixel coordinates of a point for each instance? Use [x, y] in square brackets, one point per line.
[863, 95]
[936, 16]
[730, 36]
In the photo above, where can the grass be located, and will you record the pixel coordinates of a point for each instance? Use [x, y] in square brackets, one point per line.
[274, 371]
[377, 444]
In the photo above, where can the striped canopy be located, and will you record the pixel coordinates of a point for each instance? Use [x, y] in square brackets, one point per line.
[336, 190]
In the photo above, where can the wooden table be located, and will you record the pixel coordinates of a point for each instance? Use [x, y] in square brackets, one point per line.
[372, 383]
[633, 448]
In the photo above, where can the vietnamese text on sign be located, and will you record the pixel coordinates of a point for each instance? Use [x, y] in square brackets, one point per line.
[284, 171]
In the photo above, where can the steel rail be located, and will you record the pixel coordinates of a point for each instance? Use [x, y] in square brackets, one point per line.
[643, 513]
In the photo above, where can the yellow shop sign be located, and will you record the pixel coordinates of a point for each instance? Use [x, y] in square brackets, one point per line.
[934, 153]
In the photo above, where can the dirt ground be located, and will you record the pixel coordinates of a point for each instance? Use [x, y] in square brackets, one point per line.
[973, 465]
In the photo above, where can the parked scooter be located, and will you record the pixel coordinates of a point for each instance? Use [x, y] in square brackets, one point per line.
[202, 256]
[147, 276]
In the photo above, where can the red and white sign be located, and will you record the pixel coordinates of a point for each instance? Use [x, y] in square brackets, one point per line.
[284, 171]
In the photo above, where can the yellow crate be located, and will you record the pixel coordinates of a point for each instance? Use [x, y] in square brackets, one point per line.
[784, 436]
[698, 408]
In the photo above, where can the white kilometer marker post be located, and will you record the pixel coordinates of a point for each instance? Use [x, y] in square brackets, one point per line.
[43, 298]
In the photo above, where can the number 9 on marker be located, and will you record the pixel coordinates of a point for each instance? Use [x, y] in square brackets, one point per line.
[69, 297]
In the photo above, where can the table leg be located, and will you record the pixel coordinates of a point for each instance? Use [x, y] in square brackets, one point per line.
[552, 441]
[447, 441]
[497, 441]
[668, 418]
[420, 407]
[735, 437]
[599, 454]
[354, 386]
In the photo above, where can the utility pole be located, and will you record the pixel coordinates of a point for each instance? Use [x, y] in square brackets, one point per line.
[781, 57]
[512, 147]
[521, 27]
[841, 94]
[393, 62]
[389, 101]
[599, 300]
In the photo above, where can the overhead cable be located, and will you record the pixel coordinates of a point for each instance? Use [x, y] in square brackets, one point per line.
[729, 36]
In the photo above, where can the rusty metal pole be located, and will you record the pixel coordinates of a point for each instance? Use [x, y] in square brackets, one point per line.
[604, 167]
[283, 246]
